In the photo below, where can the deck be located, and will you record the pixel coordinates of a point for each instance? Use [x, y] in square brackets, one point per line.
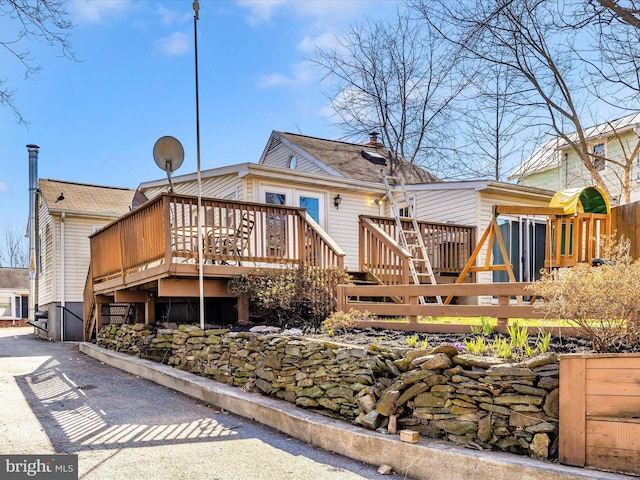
[153, 251]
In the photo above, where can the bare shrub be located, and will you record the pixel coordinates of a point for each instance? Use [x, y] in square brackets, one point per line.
[344, 320]
[600, 301]
[292, 296]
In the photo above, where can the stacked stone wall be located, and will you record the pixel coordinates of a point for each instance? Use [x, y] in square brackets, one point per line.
[479, 402]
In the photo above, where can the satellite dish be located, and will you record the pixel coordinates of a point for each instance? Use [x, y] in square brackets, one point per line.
[168, 155]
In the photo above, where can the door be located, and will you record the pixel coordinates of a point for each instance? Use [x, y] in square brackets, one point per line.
[277, 226]
[524, 240]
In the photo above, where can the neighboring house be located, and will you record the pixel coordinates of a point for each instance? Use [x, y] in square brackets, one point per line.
[14, 295]
[298, 170]
[68, 213]
[556, 166]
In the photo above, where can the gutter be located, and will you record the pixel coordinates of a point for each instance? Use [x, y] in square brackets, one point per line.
[62, 276]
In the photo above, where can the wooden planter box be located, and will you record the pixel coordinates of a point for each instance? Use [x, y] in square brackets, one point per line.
[600, 412]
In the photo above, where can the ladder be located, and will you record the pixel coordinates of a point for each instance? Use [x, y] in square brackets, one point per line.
[412, 240]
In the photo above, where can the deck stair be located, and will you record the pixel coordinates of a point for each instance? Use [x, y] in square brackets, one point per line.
[367, 278]
[411, 239]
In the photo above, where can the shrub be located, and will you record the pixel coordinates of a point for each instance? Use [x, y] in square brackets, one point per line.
[344, 320]
[601, 302]
[291, 296]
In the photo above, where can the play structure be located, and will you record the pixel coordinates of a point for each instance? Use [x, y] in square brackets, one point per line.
[576, 219]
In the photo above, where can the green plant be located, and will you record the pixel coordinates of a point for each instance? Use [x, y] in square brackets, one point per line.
[415, 342]
[502, 348]
[602, 302]
[477, 346]
[292, 296]
[519, 335]
[485, 328]
[544, 340]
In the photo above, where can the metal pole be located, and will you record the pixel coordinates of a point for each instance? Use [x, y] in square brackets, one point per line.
[33, 259]
[196, 9]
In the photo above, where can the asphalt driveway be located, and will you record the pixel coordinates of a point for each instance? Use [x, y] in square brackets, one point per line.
[58, 400]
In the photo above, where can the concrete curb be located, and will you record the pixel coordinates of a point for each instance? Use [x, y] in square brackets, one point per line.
[428, 459]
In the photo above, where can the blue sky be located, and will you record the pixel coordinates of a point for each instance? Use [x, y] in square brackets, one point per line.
[96, 120]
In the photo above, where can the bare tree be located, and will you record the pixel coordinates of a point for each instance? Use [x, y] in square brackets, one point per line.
[398, 78]
[494, 133]
[627, 13]
[14, 251]
[524, 37]
[32, 21]
[568, 56]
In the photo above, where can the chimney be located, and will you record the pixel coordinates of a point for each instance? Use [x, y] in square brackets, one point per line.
[373, 141]
[33, 188]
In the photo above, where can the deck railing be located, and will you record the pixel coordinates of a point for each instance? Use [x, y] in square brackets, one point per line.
[165, 230]
[448, 246]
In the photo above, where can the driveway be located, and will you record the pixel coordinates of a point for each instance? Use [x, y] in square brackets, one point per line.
[57, 400]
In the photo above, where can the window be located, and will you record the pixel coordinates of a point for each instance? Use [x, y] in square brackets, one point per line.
[5, 306]
[597, 160]
[313, 207]
[275, 198]
[293, 162]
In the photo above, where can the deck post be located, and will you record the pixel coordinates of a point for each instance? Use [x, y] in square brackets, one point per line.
[503, 300]
[243, 310]
[150, 309]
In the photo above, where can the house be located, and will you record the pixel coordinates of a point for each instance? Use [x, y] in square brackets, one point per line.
[556, 166]
[307, 201]
[67, 213]
[14, 295]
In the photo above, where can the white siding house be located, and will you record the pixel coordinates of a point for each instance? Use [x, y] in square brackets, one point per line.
[68, 213]
[556, 166]
[14, 295]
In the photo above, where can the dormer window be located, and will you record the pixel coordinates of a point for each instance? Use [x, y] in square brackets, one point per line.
[293, 162]
[597, 159]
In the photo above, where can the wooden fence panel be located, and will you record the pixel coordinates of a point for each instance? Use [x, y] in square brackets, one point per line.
[600, 412]
[624, 222]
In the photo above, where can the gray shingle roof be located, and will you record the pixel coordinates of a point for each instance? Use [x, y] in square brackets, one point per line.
[346, 158]
[14, 278]
[80, 197]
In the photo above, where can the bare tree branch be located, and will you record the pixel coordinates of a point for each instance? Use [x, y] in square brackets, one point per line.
[43, 21]
[14, 251]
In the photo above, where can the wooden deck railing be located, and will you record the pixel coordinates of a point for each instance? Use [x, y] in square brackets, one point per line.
[448, 246]
[88, 306]
[165, 230]
[350, 297]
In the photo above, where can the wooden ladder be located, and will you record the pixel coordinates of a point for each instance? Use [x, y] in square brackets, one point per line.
[412, 240]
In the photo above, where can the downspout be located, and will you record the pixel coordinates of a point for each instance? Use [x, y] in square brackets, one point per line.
[62, 277]
[33, 257]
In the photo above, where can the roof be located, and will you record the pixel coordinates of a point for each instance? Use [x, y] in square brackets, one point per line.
[545, 158]
[348, 159]
[14, 278]
[64, 196]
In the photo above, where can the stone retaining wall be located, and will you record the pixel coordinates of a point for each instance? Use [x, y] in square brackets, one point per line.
[480, 402]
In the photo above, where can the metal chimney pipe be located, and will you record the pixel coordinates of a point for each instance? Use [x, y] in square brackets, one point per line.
[33, 258]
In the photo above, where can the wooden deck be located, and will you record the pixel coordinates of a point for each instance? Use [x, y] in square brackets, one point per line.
[153, 252]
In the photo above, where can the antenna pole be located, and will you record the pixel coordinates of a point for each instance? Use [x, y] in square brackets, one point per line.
[196, 9]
